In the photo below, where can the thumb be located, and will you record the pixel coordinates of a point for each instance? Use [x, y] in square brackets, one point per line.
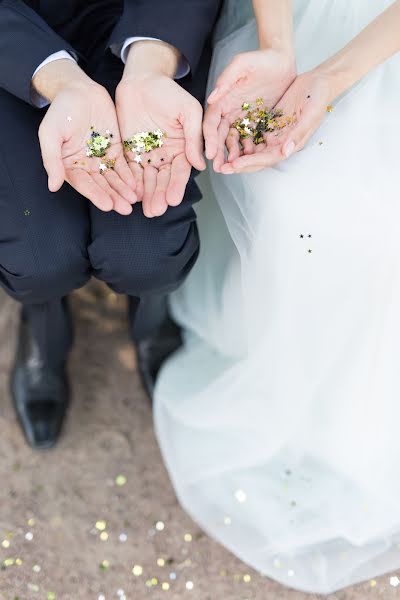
[228, 78]
[192, 128]
[52, 160]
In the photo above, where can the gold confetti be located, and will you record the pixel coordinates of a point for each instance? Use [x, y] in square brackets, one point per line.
[5, 544]
[165, 586]
[104, 565]
[98, 144]
[18, 562]
[373, 583]
[144, 142]
[187, 537]
[8, 562]
[160, 526]
[329, 108]
[101, 525]
[137, 570]
[120, 480]
[160, 562]
[104, 536]
[31, 522]
[246, 578]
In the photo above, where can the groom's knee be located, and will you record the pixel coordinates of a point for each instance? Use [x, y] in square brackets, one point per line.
[155, 258]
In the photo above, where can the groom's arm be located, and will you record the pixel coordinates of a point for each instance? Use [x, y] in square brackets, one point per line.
[183, 24]
[26, 41]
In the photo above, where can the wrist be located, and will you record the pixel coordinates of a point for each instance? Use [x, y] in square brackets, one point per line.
[337, 75]
[287, 59]
[56, 76]
[151, 57]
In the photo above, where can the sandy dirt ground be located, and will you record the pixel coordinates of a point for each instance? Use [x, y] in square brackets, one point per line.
[97, 518]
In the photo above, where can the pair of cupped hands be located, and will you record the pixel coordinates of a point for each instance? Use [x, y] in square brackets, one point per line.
[152, 101]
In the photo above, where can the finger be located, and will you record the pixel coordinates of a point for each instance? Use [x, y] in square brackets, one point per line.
[260, 148]
[150, 183]
[122, 169]
[84, 183]
[233, 144]
[212, 119]
[228, 78]
[120, 205]
[257, 161]
[180, 173]
[248, 146]
[223, 131]
[52, 161]
[120, 186]
[276, 138]
[193, 130]
[137, 172]
[159, 202]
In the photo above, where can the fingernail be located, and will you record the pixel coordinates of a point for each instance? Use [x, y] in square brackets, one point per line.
[213, 94]
[289, 149]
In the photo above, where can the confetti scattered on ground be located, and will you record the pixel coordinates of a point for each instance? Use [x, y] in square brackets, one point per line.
[106, 477]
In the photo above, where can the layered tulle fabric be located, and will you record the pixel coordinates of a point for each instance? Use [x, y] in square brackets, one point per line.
[279, 419]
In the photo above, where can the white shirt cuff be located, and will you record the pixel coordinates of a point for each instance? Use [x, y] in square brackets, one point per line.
[36, 98]
[183, 66]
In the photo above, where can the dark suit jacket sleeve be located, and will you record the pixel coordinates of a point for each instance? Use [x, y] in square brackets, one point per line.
[25, 41]
[185, 24]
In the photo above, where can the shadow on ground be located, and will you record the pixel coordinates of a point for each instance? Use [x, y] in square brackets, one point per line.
[107, 471]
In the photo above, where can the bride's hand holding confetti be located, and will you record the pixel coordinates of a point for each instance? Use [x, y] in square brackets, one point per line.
[304, 106]
[262, 74]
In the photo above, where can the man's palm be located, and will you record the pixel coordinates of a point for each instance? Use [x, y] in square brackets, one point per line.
[162, 174]
[63, 137]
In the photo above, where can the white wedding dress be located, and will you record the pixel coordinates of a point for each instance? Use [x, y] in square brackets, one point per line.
[279, 420]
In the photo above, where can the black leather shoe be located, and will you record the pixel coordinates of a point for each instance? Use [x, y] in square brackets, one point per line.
[153, 351]
[40, 395]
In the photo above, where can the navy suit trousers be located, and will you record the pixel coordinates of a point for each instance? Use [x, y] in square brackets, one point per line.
[51, 244]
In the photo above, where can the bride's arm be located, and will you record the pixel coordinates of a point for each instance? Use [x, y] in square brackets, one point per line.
[308, 96]
[375, 44]
[265, 73]
[274, 23]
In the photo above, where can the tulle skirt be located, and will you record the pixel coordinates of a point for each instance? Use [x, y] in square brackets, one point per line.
[279, 419]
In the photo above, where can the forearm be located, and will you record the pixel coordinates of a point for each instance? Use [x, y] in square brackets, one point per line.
[375, 44]
[275, 24]
[51, 79]
[151, 57]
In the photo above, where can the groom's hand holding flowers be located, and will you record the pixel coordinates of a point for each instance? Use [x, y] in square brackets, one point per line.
[150, 104]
